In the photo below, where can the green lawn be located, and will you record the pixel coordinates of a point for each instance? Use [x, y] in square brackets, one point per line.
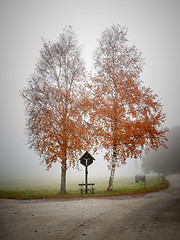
[123, 186]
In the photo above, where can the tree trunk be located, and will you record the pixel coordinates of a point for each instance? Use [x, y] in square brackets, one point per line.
[114, 157]
[63, 178]
[111, 179]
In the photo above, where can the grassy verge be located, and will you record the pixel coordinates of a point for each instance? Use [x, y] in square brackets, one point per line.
[121, 187]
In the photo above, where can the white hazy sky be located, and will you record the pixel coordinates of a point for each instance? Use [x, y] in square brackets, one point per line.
[153, 26]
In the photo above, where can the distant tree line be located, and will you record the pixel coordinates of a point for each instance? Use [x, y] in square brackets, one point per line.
[165, 161]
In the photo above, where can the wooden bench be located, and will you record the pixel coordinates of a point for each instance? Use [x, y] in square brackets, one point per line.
[90, 187]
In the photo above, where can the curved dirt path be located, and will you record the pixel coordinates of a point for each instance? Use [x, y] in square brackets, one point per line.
[155, 216]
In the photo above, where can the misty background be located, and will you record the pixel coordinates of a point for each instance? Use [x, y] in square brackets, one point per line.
[164, 161]
[153, 26]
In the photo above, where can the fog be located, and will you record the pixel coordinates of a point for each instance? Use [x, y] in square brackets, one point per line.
[153, 26]
[165, 161]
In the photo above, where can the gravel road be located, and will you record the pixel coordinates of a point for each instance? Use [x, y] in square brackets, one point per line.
[154, 216]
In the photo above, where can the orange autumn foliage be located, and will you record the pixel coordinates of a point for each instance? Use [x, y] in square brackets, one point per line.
[117, 113]
[127, 117]
[55, 98]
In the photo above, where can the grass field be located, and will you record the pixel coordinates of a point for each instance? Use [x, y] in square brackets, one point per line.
[123, 186]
